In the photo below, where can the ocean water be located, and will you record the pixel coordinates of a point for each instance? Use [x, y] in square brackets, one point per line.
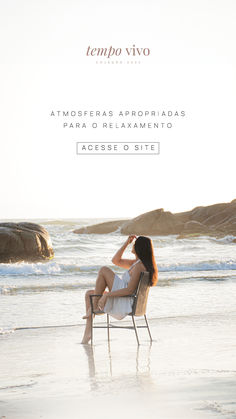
[197, 277]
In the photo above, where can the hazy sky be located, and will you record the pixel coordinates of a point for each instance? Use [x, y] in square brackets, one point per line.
[44, 67]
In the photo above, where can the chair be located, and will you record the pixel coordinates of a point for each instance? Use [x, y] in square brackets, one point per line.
[140, 298]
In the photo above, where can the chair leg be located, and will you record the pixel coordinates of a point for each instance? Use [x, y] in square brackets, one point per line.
[91, 328]
[135, 328]
[148, 328]
[108, 328]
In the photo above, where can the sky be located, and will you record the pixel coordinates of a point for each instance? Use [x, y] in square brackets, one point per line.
[191, 67]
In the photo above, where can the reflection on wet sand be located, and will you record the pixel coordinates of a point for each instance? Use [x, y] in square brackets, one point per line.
[130, 370]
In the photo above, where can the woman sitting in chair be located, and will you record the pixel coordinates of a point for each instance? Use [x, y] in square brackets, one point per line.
[120, 287]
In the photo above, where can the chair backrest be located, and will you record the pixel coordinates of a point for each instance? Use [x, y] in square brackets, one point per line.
[140, 302]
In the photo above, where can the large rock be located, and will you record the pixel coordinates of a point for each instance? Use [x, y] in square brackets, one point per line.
[101, 228]
[201, 214]
[24, 242]
[214, 215]
[228, 227]
[154, 222]
[192, 227]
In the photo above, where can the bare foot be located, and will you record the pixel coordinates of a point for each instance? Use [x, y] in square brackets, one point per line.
[87, 315]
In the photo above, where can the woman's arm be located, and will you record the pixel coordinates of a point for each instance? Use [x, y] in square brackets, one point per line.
[117, 258]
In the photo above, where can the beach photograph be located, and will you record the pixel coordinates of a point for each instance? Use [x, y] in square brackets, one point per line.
[118, 209]
[187, 370]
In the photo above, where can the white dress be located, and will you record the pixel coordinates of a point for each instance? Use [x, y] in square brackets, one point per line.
[119, 307]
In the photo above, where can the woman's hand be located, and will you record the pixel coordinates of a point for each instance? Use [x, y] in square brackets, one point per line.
[131, 238]
[117, 258]
[102, 301]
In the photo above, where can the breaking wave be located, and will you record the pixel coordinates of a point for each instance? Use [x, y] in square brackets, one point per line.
[54, 268]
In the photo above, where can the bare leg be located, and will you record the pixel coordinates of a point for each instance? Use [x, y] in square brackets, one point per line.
[105, 279]
[87, 303]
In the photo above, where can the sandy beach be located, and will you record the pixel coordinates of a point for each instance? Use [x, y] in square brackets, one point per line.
[46, 373]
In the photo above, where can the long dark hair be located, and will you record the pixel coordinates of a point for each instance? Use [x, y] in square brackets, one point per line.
[144, 250]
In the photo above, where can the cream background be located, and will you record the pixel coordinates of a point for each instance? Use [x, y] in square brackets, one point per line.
[44, 67]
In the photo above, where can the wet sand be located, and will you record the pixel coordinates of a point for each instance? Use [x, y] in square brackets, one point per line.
[189, 371]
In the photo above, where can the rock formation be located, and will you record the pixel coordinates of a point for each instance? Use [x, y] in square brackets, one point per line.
[215, 220]
[101, 228]
[24, 242]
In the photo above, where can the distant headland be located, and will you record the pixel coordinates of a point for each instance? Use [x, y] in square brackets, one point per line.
[213, 220]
